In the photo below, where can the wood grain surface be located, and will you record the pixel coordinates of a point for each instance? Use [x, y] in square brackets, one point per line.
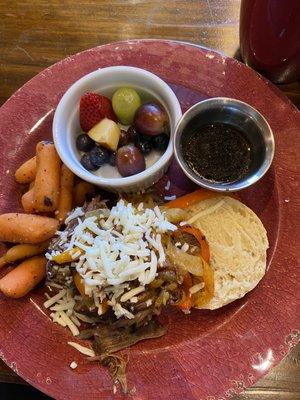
[37, 33]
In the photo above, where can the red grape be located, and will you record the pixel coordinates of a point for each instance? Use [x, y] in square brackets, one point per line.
[151, 119]
[130, 160]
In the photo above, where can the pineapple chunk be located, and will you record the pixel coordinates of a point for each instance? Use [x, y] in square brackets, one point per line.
[106, 133]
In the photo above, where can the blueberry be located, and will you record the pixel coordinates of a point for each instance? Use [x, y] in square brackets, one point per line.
[87, 163]
[143, 143]
[112, 159]
[160, 142]
[124, 138]
[132, 134]
[99, 156]
[84, 142]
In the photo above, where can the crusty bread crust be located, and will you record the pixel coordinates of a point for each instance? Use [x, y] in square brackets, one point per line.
[238, 243]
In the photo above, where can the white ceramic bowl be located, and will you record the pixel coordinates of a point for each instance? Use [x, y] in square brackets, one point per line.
[105, 81]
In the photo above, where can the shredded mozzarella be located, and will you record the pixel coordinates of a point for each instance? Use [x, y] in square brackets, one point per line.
[55, 285]
[57, 318]
[82, 349]
[73, 365]
[55, 298]
[133, 300]
[85, 318]
[63, 307]
[75, 320]
[122, 246]
[63, 313]
[78, 212]
[133, 292]
[73, 328]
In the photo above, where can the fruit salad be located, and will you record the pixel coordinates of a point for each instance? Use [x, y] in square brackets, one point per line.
[121, 132]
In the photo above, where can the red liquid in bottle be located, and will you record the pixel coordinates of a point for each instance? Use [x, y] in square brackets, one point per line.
[270, 38]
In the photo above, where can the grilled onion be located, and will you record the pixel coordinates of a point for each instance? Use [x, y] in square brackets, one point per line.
[183, 260]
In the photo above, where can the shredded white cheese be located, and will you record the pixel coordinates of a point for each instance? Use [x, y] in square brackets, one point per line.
[56, 317]
[133, 300]
[73, 365]
[75, 320]
[121, 246]
[85, 318]
[132, 293]
[82, 349]
[55, 298]
[78, 212]
[73, 328]
[63, 313]
[55, 285]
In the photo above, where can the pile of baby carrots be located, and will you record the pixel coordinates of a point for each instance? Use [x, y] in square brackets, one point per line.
[52, 192]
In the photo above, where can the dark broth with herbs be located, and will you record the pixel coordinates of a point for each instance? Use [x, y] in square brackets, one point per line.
[217, 152]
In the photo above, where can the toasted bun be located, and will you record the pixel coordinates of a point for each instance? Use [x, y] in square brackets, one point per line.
[238, 243]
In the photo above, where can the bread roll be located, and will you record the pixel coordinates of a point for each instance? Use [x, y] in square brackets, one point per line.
[238, 243]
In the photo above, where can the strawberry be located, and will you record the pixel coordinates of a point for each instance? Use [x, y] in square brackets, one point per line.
[93, 108]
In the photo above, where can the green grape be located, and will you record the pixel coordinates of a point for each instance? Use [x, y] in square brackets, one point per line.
[125, 102]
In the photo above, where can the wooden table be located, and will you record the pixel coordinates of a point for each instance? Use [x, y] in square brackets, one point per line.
[36, 33]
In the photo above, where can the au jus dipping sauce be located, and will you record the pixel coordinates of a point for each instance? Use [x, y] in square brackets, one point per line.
[217, 152]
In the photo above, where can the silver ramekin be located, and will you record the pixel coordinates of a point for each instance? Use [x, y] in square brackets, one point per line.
[249, 122]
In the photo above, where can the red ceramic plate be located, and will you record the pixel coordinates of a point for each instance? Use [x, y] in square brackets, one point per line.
[205, 355]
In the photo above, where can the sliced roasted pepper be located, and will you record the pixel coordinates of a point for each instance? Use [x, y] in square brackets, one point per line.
[79, 283]
[186, 303]
[202, 297]
[68, 256]
[200, 237]
[194, 197]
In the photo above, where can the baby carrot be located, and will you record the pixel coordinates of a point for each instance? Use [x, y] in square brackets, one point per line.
[26, 228]
[27, 201]
[24, 277]
[65, 198]
[26, 172]
[81, 191]
[21, 251]
[47, 180]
